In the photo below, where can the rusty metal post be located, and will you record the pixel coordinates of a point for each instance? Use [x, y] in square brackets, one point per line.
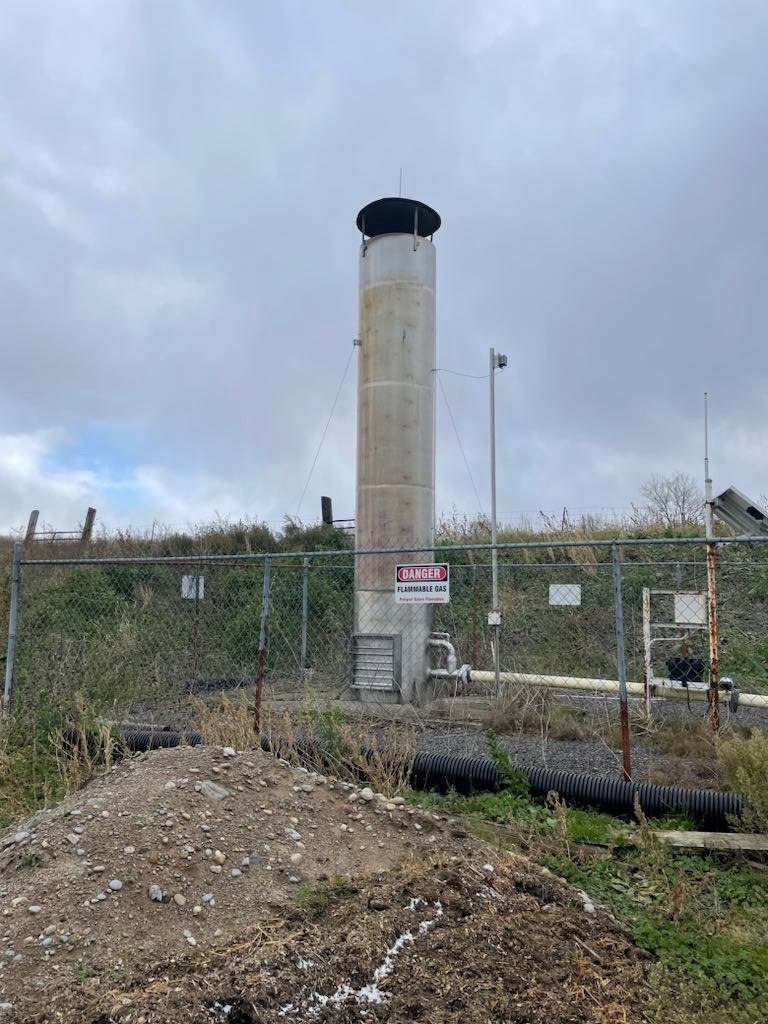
[647, 650]
[714, 668]
[621, 663]
[709, 523]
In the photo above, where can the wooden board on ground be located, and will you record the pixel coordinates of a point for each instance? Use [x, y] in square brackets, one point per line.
[714, 840]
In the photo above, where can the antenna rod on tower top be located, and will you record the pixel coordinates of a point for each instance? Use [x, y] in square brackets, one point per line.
[708, 479]
[706, 436]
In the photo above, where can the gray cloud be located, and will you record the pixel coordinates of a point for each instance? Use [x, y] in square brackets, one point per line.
[178, 187]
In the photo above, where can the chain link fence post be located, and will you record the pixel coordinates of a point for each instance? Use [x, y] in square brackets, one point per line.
[13, 619]
[304, 615]
[262, 647]
[621, 662]
[196, 626]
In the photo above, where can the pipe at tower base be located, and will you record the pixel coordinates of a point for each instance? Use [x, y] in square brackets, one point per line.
[608, 686]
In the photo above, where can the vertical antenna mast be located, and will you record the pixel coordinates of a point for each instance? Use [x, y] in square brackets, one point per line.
[707, 478]
[706, 438]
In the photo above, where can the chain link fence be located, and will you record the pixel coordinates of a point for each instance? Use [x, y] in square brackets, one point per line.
[140, 638]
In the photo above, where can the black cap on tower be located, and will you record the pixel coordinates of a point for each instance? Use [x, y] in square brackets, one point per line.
[398, 216]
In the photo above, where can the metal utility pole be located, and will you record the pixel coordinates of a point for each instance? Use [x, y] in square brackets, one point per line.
[496, 361]
[709, 522]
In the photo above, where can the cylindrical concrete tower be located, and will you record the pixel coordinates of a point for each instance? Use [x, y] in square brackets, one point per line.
[395, 442]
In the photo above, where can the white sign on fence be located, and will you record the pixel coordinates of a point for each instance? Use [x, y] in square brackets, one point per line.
[568, 594]
[188, 587]
[423, 584]
[691, 608]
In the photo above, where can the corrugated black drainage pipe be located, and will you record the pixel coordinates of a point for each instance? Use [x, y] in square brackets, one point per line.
[444, 772]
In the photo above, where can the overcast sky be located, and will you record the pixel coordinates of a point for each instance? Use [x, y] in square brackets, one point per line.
[179, 182]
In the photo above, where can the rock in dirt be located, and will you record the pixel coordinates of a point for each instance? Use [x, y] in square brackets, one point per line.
[212, 790]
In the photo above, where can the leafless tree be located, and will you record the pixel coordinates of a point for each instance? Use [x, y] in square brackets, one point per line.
[670, 501]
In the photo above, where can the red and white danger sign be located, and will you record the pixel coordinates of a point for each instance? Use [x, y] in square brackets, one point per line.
[423, 584]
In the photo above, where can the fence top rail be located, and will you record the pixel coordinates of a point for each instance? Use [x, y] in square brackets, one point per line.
[261, 556]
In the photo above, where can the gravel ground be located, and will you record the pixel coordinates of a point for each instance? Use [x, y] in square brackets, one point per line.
[573, 755]
[670, 710]
[594, 755]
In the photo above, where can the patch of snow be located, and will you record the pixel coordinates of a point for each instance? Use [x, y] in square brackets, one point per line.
[371, 993]
[589, 906]
[222, 1010]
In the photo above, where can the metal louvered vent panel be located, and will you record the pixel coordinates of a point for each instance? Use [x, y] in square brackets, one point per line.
[376, 660]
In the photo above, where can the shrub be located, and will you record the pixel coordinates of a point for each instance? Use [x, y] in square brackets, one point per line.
[745, 766]
[514, 781]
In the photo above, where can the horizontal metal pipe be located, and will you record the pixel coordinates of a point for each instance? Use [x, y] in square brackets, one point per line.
[505, 546]
[751, 700]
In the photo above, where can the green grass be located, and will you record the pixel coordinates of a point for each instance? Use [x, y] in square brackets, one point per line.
[736, 970]
[83, 972]
[316, 897]
[704, 919]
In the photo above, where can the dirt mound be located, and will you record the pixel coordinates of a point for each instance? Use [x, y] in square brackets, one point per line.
[203, 885]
